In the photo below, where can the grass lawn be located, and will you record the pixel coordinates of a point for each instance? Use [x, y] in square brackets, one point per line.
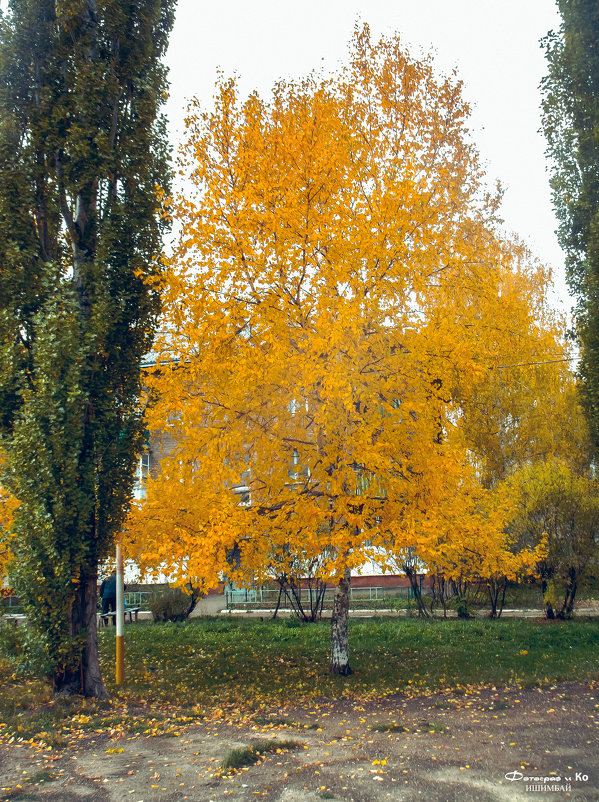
[233, 661]
[177, 672]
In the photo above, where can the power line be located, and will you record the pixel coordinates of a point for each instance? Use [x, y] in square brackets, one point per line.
[528, 364]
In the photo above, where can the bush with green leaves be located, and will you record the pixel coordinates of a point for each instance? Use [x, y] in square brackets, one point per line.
[559, 506]
[11, 641]
[171, 604]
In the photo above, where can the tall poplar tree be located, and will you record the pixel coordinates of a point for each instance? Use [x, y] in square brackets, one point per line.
[571, 125]
[83, 158]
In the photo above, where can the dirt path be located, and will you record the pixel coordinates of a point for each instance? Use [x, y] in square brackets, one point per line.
[479, 745]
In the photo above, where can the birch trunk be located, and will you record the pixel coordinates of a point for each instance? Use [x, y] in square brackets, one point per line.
[339, 628]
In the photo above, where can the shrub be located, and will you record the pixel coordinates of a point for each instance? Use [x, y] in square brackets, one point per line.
[11, 641]
[171, 604]
[463, 608]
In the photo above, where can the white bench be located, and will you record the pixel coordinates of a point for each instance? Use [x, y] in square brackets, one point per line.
[106, 618]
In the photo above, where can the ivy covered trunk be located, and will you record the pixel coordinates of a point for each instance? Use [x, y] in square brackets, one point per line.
[83, 160]
[339, 628]
[84, 677]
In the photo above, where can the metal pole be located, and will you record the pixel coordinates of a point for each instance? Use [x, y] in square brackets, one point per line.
[120, 618]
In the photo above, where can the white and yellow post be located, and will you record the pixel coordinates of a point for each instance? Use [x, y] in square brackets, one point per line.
[120, 617]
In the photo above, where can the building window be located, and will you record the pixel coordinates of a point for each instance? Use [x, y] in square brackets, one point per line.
[141, 476]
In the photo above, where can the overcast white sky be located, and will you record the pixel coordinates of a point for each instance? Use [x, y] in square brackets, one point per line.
[493, 44]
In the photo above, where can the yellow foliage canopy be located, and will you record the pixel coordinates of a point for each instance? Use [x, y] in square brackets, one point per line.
[338, 299]
[8, 505]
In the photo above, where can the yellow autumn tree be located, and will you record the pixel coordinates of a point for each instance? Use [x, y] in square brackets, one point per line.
[8, 505]
[522, 409]
[548, 472]
[526, 411]
[526, 408]
[334, 298]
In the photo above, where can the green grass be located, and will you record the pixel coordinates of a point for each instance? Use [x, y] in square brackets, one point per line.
[251, 662]
[182, 670]
[237, 758]
[26, 710]
[263, 747]
[42, 776]
[423, 726]
[247, 755]
[383, 604]
[432, 726]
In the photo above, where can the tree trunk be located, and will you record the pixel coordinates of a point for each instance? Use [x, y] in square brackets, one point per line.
[194, 596]
[549, 611]
[274, 615]
[339, 628]
[85, 678]
[570, 598]
[496, 590]
[414, 578]
[570, 595]
[502, 602]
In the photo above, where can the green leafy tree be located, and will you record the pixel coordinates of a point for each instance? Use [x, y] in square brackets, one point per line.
[571, 123]
[83, 161]
[559, 507]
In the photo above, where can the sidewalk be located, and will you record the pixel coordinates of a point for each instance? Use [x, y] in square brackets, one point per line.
[215, 604]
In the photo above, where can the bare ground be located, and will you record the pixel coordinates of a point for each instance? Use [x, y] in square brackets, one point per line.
[477, 745]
